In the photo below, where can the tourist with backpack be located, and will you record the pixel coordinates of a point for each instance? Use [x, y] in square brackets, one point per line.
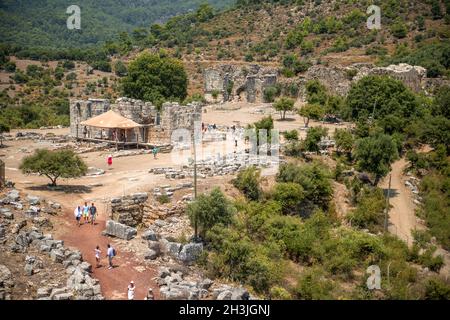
[110, 253]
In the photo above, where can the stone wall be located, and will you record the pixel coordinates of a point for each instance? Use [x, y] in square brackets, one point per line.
[238, 83]
[158, 125]
[137, 210]
[338, 80]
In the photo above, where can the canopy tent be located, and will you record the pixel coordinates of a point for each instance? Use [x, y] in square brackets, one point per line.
[110, 120]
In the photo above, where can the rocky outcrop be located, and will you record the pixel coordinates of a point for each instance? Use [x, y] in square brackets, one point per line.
[116, 229]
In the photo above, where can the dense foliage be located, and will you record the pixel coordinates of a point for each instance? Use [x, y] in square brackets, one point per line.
[155, 78]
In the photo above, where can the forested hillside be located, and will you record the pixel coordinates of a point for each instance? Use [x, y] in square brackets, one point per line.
[42, 23]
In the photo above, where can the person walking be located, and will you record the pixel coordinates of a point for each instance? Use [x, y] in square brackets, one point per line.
[93, 212]
[109, 160]
[78, 214]
[150, 295]
[85, 213]
[155, 152]
[110, 253]
[131, 290]
[97, 256]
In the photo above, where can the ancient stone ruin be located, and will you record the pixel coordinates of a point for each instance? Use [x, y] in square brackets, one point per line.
[156, 125]
[338, 80]
[238, 83]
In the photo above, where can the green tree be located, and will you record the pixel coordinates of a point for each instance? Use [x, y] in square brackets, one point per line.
[316, 92]
[313, 137]
[344, 140]
[154, 78]
[209, 210]
[441, 102]
[205, 12]
[248, 182]
[289, 195]
[381, 96]
[54, 164]
[314, 179]
[283, 105]
[120, 69]
[399, 29]
[311, 111]
[375, 155]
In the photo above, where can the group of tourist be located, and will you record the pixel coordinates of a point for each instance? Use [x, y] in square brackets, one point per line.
[86, 213]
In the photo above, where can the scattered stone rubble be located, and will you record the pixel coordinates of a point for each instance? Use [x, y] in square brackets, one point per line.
[175, 284]
[41, 252]
[175, 279]
[218, 166]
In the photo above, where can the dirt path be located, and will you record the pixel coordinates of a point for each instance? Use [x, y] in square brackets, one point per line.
[402, 217]
[114, 282]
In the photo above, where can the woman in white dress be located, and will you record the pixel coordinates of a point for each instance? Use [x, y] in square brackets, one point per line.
[131, 289]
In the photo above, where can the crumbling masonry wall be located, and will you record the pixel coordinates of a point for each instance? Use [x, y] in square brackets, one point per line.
[158, 125]
[238, 83]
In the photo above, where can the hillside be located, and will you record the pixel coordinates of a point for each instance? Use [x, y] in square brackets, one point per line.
[42, 23]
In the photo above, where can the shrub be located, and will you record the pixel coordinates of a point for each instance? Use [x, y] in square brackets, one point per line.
[208, 210]
[247, 181]
[289, 195]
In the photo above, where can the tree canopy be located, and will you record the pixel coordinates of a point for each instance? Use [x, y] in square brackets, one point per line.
[155, 78]
[283, 105]
[54, 164]
[209, 210]
[375, 154]
[381, 96]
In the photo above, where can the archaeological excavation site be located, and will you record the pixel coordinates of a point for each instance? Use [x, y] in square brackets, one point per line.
[249, 151]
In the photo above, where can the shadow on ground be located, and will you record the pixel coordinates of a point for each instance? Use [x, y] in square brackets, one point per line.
[66, 189]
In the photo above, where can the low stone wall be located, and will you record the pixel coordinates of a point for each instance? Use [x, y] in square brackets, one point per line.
[137, 210]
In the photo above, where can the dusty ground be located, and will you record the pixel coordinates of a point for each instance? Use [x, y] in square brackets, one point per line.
[130, 174]
[127, 175]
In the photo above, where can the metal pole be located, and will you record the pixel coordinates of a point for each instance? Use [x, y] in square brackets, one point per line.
[195, 184]
[387, 205]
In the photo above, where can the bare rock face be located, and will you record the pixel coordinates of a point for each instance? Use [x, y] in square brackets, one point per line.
[238, 83]
[119, 230]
